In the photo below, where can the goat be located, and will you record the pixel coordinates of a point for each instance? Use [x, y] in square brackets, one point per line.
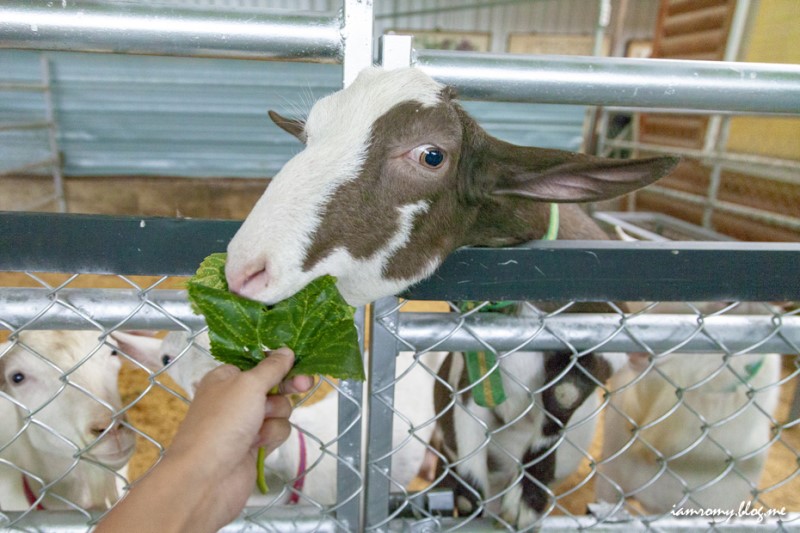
[655, 427]
[394, 176]
[186, 359]
[62, 439]
[307, 460]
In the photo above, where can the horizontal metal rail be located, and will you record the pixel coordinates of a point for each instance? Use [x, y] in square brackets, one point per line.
[659, 83]
[28, 166]
[169, 310]
[95, 308]
[751, 333]
[131, 29]
[712, 157]
[611, 270]
[632, 222]
[761, 215]
[12, 126]
[673, 84]
[579, 270]
[22, 86]
[297, 518]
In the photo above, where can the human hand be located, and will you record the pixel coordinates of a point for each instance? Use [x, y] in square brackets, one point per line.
[209, 470]
[226, 424]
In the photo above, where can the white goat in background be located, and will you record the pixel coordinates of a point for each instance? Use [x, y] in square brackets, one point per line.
[688, 420]
[59, 427]
[393, 177]
[307, 460]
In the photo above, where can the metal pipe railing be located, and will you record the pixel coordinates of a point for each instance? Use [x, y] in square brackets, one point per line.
[131, 29]
[753, 213]
[604, 332]
[666, 84]
[660, 83]
[169, 310]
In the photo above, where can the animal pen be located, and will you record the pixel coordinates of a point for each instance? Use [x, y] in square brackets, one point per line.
[718, 273]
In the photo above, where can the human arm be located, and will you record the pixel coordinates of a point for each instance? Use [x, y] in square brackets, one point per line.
[209, 470]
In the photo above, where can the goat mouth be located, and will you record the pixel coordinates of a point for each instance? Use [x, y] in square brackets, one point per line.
[113, 458]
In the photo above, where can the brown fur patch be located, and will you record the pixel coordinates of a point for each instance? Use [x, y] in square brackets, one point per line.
[362, 215]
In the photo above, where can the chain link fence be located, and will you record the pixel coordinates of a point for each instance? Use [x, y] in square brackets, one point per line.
[697, 418]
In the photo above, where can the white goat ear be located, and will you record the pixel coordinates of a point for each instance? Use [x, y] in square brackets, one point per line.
[141, 347]
[292, 126]
[585, 179]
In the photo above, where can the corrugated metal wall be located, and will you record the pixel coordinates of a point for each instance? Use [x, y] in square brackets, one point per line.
[163, 115]
[140, 115]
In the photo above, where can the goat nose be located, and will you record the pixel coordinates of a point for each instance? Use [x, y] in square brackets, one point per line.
[97, 427]
[247, 281]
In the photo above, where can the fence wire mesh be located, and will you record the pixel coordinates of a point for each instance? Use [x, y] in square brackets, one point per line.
[616, 416]
[674, 431]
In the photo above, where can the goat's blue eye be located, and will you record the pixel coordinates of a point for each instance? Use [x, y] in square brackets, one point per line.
[433, 158]
[428, 156]
[166, 359]
[18, 377]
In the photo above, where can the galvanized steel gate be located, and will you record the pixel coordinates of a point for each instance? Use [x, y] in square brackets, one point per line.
[574, 271]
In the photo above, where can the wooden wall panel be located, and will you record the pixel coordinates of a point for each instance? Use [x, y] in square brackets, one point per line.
[687, 29]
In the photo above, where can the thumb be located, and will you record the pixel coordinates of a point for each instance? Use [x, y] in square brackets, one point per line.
[271, 371]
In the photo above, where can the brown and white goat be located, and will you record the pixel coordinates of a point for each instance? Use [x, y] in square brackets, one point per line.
[394, 176]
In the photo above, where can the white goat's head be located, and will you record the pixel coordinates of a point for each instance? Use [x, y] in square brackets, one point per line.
[186, 359]
[395, 176]
[68, 381]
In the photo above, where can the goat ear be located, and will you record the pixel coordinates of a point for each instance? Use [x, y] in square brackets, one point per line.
[583, 178]
[292, 126]
[140, 347]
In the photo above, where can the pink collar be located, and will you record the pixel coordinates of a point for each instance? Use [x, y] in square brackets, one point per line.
[29, 494]
[301, 471]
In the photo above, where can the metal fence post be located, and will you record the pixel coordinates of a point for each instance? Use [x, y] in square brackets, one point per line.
[356, 34]
[395, 52]
[380, 413]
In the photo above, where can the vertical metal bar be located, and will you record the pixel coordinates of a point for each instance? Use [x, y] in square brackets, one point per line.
[380, 414]
[395, 52]
[711, 195]
[718, 127]
[52, 136]
[603, 18]
[356, 34]
[349, 484]
[602, 133]
[357, 38]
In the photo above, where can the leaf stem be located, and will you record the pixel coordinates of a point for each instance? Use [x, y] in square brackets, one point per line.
[261, 482]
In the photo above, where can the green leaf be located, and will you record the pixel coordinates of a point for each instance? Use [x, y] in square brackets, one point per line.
[316, 323]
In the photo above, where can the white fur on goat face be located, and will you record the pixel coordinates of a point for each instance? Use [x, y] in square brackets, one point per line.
[266, 257]
[78, 411]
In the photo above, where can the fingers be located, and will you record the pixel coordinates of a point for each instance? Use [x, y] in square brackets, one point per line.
[221, 373]
[275, 429]
[273, 433]
[296, 385]
[270, 372]
[277, 407]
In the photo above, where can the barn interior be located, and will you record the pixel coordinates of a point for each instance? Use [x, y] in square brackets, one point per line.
[147, 135]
